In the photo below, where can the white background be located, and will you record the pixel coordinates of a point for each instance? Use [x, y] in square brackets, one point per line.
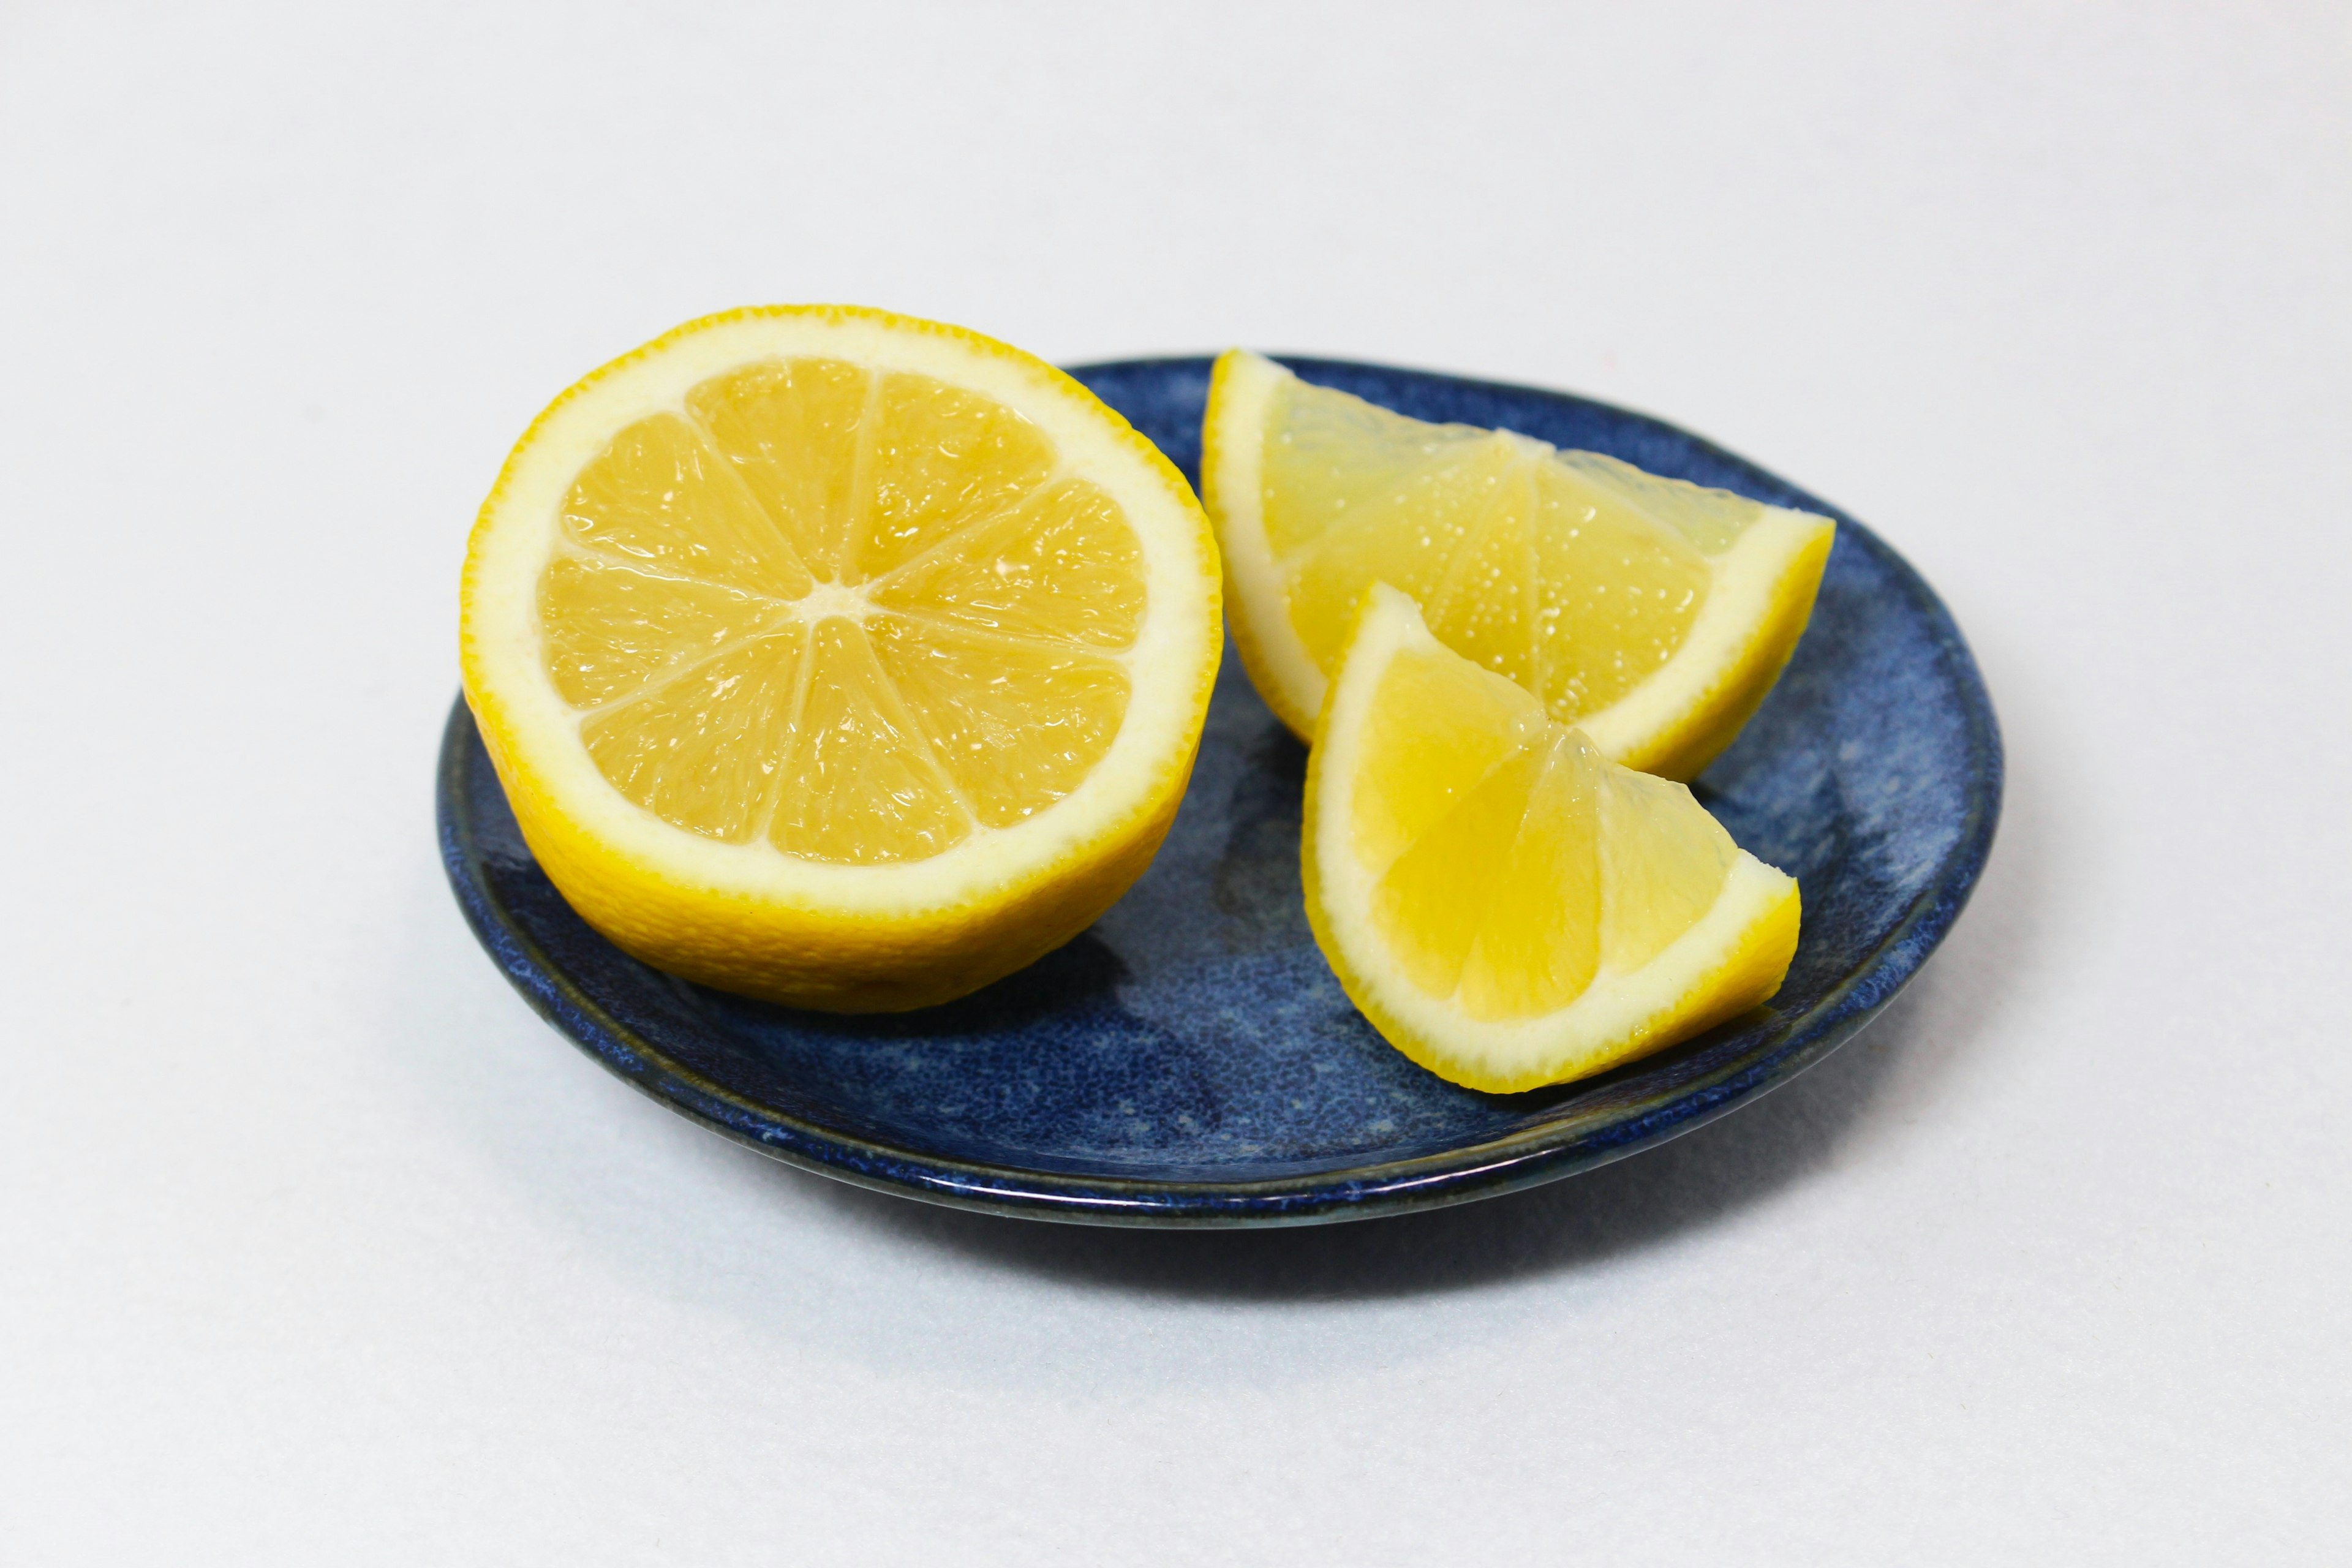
[317, 1247]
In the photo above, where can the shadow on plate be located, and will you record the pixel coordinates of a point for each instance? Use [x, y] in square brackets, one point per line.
[1635, 1204]
[1642, 1202]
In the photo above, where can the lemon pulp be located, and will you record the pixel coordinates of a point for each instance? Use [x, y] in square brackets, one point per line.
[1511, 862]
[1539, 564]
[853, 614]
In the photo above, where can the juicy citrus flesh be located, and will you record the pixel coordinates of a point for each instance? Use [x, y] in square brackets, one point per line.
[854, 616]
[1506, 905]
[838, 657]
[1580, 578]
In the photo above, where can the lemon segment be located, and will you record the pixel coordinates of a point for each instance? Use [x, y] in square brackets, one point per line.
[1654, 614]
[1509, 908]
[837, 657]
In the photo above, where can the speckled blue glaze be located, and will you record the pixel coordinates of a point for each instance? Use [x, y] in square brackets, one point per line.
[1191, 1060]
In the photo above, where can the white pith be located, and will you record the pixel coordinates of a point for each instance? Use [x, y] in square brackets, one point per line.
[1617, 1005]
[1175, 650]
[1745, 582]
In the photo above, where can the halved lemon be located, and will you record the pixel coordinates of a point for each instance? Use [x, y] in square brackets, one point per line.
[1654, 614]
[1506, 906]
[836, 657]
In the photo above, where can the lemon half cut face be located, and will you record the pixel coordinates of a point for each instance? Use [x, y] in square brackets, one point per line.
[838, 657]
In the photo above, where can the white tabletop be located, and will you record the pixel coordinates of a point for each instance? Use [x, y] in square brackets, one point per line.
[320, 1248]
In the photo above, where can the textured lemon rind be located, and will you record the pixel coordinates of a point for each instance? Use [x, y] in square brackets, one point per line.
[1734, 957]
[749, 917]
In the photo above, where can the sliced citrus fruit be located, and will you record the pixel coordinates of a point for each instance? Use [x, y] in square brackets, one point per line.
[1506, 905]
[1654, 614]
[837, 657]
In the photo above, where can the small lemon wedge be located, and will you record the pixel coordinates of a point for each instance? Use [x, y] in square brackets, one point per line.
[1508, 907]
[1654, 615]
[836, 657]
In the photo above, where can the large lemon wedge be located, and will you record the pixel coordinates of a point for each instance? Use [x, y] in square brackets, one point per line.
[1652, 614]
[836, 657]
[1506, 906]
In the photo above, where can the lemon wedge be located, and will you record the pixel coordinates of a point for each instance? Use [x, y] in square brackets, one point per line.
[837, 657]
[1506, 906]
[1652, 614]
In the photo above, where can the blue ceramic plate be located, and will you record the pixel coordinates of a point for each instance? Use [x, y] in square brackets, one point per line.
[1189, 1060]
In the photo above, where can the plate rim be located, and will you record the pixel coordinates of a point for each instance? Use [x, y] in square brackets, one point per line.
[1459, 1174]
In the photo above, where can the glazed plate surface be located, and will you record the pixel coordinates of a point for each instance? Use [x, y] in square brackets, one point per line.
[1189, 1060]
